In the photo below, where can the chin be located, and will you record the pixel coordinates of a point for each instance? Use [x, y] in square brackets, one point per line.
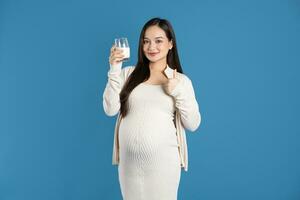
[154, 59]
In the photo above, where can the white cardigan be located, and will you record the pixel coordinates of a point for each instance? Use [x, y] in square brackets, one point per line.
[187, 109]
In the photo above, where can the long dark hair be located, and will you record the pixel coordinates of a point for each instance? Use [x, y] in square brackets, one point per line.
[141, 71]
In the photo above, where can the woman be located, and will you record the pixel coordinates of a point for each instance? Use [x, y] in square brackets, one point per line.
[154, 100]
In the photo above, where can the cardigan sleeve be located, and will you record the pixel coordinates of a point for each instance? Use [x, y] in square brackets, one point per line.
[111, 95]
[186, 103]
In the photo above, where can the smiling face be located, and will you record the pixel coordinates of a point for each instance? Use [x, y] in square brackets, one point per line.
[156, 45]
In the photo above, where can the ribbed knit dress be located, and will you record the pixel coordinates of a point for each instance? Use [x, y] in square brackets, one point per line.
[149, 167]
[149, 164]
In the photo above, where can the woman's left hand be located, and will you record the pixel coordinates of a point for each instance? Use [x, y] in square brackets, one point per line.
[172, 82]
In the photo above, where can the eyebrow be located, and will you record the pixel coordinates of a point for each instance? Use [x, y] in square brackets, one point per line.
[155, 38]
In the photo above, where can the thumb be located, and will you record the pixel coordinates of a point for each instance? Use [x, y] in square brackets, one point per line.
[174, 73]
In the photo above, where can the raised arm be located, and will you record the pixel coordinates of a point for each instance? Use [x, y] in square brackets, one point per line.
[186, 103]
[116, 79]
[111, 95]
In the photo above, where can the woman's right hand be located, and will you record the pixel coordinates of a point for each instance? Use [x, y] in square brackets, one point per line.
[116, 55]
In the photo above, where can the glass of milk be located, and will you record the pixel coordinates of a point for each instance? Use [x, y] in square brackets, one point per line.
[122, 43]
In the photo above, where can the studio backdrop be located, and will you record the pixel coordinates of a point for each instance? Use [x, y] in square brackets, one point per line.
[242, 56]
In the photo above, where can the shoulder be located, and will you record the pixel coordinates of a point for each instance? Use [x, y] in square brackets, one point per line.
[127, 70]
[183, 77]
[186, 82]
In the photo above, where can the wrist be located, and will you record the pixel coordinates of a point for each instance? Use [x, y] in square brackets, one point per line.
[115, 67]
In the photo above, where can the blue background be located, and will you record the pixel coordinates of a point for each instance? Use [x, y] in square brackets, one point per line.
[242, 56]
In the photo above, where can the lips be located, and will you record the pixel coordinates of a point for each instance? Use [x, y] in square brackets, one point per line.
[152, 54]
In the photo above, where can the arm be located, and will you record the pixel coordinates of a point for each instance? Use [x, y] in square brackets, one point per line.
[111, 95]
[186, 103]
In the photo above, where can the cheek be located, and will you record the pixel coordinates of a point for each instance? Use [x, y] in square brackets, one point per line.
[164, 47]
[144, 48]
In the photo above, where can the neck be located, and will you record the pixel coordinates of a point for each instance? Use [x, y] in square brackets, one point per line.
[158, 66]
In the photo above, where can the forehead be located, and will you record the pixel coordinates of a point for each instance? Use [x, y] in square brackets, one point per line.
[154, 32]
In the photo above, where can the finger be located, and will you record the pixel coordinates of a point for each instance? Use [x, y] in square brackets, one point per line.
[115, 60]
[118, 51]
[121, 56]
[174, 73]
[112, 48]
[117, 54]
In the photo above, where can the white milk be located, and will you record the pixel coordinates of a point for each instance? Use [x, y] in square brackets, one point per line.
[126, 52]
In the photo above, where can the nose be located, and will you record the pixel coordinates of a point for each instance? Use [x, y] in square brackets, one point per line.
[151, 46]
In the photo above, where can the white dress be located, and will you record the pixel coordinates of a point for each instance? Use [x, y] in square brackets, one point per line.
[150, 160]
[149, 167]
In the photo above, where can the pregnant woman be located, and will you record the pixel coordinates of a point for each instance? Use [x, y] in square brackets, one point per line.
[155, 102]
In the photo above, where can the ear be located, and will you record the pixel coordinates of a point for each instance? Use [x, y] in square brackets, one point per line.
[171, 44]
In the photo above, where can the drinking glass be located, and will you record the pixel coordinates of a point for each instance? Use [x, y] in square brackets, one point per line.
[122, 43]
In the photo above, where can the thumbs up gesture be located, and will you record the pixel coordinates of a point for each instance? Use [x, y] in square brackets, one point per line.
[172, 82]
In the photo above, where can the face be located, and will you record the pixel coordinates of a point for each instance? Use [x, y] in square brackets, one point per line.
[156, 44]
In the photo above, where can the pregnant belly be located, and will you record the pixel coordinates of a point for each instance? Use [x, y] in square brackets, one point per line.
[147, 140]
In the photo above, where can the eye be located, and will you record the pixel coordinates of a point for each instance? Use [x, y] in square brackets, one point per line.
[146, 41]
[158, 41]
